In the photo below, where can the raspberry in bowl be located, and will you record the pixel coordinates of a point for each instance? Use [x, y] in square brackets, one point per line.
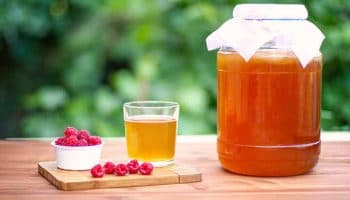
[77, 150]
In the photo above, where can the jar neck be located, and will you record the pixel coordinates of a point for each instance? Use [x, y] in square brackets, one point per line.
[275, 19]
[268, 45]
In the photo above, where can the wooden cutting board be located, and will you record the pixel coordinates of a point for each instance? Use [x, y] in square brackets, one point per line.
[80, 180]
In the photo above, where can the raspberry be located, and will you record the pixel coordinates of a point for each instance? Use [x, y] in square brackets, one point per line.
[97, 171]
[71, 141]
[70, 131]
[60, 141]
[109, 167]
[94, 140]
[146, 168]
[121, 170]
[134, 162]
[84, 134]
[133, 166]
[82, 142]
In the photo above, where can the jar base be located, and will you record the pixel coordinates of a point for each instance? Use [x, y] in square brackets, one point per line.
[268, 161]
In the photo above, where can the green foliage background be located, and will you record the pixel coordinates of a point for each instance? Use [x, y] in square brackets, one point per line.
[74, 62]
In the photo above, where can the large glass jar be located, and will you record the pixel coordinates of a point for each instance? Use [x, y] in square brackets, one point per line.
[268, 112]
[269, 90]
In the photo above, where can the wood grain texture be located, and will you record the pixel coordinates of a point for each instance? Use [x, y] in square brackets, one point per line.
[330, 179]
[82, 180]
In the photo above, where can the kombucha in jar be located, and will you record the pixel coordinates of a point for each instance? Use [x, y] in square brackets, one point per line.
[269, 71]
[268, 113]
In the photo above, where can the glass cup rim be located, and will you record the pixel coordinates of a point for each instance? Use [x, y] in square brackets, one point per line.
[151, 104]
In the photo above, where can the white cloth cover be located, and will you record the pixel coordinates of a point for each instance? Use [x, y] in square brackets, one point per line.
[247, 31]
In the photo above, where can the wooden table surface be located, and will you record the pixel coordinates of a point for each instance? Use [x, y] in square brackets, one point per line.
[330, 179]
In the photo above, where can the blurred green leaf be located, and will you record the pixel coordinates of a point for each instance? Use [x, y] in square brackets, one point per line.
[84, 74]
[125, 84]
[48, 98]
[193, 99]
[106, 102]
[43, 125]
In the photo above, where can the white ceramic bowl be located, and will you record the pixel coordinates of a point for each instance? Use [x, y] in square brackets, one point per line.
[77, 158]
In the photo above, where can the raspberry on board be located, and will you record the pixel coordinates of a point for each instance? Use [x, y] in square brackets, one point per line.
[97, 171]
[135, 162]
[133, 166]
[109, 167]
[146, 168]
[121, 170]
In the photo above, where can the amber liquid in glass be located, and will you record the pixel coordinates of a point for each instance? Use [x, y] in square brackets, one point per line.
[151, 137]
[268, 113]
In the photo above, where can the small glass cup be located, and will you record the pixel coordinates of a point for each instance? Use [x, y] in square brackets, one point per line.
[150, 130]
